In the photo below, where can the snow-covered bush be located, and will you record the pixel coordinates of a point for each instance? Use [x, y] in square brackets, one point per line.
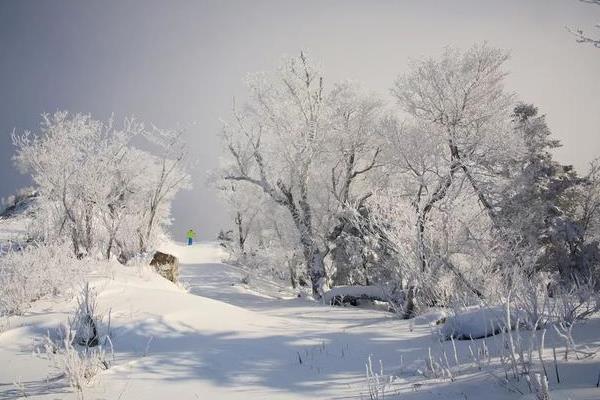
[34, 272]
[378, 385]
[79, 350]
[85, 319]
[539, 384]
[274, 267]
[361, 253]
[579, 302]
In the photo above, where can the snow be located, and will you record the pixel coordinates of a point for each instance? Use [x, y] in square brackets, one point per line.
[432, 317]
[220, 339]
[476, 323]
[570, 394]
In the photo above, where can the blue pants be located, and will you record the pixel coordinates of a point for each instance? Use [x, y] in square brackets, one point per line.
[189, 241]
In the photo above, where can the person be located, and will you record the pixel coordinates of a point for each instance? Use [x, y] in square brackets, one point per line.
[190, 235]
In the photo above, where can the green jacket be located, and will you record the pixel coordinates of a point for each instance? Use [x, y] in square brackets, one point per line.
[190, 234]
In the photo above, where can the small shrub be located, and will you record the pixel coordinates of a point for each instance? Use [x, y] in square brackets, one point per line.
[85, 320]
[34, 272]
[377, 383]
[78, 350]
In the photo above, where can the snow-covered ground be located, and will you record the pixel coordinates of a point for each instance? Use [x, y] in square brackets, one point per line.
[215, 338]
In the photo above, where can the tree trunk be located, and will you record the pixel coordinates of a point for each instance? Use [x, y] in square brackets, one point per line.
[455, 156]
[88, 231]
[109, 247]
[410, 304]
[241, 236]
[316, 268]
[421, 241]
[293, 277]
[302, 218]
[438, 195]
[146, 239]
[75, 242]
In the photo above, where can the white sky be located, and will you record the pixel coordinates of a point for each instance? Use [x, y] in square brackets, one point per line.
[181, 62]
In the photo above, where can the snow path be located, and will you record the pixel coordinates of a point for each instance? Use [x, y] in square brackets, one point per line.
[333, 343]
[232, 343]
[220, 340]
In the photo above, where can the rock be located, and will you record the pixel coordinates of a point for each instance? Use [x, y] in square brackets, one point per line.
[166, 265]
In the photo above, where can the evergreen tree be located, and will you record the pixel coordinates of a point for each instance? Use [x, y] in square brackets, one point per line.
[538, 211]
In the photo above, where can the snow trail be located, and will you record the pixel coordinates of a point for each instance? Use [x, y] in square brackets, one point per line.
[220, 340]
[233, 343]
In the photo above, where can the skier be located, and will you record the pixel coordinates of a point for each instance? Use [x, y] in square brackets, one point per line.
[190, 235]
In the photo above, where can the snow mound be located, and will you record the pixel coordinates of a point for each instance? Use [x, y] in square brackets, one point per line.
[432, 317]
[476, 323]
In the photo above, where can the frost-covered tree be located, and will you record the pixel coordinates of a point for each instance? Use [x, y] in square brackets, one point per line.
[355, 151]
[262, 237]
[583, 37]
[543, 213]
[459, 104]
[244, 205]
[310, 150]
[275, 142]
[355, 142]
[589, 214]
[165, 176]
[96, 188]
[429, 198]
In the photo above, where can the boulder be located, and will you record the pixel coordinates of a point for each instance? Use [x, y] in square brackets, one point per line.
[166, 265]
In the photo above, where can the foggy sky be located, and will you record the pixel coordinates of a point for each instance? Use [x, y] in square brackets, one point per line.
[179, 63]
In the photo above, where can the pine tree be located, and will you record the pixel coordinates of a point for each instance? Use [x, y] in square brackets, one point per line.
[538, 210]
